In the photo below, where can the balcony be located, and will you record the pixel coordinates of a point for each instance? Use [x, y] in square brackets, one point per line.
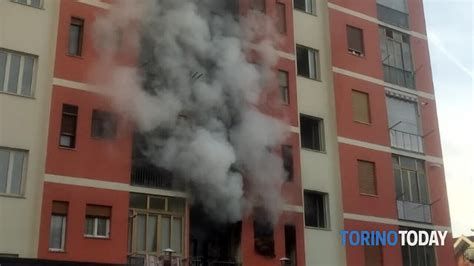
[406, 141]
[145, 174]
[413, 211]
[392, 16]
[399, 76]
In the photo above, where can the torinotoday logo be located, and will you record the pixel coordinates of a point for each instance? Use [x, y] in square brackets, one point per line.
[393, 238]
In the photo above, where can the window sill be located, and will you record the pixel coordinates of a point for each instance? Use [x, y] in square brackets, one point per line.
[97, 237]
[317, 228]
[15, 94]
[314, 14]
[318, 80]
[6, 195]
[67, 148]
[54, 250]
[75, 56]
[311, 150]
[369, 195]
[363, 123]
[362, 56]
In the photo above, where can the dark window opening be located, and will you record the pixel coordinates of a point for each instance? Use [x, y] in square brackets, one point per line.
[355, 40]
[287, 155]
[68, 126]
[281, 17]
[76, 32]
[311, 133]
[104, 124]
[315, 209]
[290, 244]
[263, 238]
[307, 60]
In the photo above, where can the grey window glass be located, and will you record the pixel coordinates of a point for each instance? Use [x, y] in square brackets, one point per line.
[403, 112]
[36, 3]
[89, 225]
[3, 68]
[151, 233]
[27, 75]
[56, 236]
[415, 195]
[177, 228]
[14, 73]
[22, 1]
[17, 172]
[399, 5]
[75, 36]
[4, 162]
[138, 201]
[165, 232]
[102, 226]
[141, 226]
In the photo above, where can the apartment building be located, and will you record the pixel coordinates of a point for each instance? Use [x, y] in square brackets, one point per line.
[363, 153]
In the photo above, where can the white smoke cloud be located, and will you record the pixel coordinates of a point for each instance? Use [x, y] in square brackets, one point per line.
[195, 95]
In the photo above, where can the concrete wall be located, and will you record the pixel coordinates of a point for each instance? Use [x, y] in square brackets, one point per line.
[24, 120]
[320, 170]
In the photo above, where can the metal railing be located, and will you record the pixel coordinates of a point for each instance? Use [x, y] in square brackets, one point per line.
[148, 175]
[399, 76]
[406, 141]
[392, 16]
[413, 211]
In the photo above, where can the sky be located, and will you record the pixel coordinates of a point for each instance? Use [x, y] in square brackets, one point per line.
[450, 35]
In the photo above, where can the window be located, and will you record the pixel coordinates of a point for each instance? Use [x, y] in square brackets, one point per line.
[156, 224]
[373, 256]
[360, 107]
[290, 244]
[97, 221]
[367, 178]
[281, 17]
[418, 255]
[311, 133]
[316, 209]
[355, 40]
[12, 171]
[57, 235]
[308, 62]
[393, 12]
[104, 124]
[403, 119]
[305, 6]
[283, 84]
[33, 3]
[76, 32]
[410, 180]
[287, 155]
[16, 73]
[396, 58]
[258, 5]
[68, 126]
[264, 242]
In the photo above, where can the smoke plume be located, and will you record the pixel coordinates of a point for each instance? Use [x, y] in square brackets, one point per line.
[195, 92]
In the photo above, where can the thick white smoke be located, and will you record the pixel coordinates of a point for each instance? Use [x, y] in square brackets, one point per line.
[195, 95]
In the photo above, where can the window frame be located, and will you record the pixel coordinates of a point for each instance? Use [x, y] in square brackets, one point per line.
[61, 133]
[325, 198]
[306, 11]
[9, 172]
[99, 131]
[419, 170]
[284, 90]
[4, 88]
[76, 22]
[375, 183]
[28, 3]
[350, 49]
[96, 226]
[321, 134]
[63, 214]
[317, 63]
[369, 110]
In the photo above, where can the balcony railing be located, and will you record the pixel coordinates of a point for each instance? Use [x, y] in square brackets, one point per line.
[406, 141]
[413, 211]
[148, 175]
[392, 16]
[399, 76]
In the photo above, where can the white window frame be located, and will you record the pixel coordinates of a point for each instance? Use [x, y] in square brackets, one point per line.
[19, 83]
[63, 233]
[28, 3]
[96, 226]
[10, 171]
[309, 7]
